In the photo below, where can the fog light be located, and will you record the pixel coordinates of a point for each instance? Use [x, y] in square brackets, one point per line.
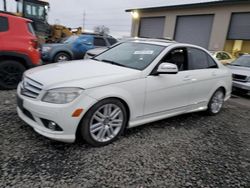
[51, 125]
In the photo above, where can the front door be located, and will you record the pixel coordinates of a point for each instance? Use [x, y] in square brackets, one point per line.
[169, 91]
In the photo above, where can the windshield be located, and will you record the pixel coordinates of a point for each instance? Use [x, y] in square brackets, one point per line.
[32, 10]
[243, 61]
[131, 54]
[68, 40]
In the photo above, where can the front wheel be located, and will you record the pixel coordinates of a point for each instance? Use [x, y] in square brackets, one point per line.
[10, 74]
[62, 57]
[216, 102]
[104, 122]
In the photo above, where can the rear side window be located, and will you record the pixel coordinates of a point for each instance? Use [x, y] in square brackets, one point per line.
[31, 29]
[99, 42]
[112, 41]
[198, 59]
[4, 25]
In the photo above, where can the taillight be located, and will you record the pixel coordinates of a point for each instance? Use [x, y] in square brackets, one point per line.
[34, 43]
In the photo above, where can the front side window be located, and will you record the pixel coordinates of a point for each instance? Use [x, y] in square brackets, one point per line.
[4, 26]
[99, 42]
[199, 59]
[177, 57]
[133, 55]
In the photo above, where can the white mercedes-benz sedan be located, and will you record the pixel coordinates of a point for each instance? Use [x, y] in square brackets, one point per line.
[133, 83]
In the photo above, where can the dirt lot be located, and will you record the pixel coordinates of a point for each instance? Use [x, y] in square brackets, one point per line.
[191, 150]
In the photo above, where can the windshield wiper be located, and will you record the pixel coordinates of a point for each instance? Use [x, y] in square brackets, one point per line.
[112, 62]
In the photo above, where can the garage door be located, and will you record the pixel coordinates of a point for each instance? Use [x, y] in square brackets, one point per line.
[152, 27]
[194, 29]
[239, 27]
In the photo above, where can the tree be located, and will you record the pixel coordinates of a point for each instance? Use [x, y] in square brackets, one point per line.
[101, 29]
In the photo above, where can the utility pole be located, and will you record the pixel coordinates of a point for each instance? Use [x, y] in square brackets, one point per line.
[4, 5]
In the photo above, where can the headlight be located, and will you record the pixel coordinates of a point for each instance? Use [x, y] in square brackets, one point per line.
[46, 49]
[61, 95]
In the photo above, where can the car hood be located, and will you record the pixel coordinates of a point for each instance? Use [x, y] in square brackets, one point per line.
[83, 73]
[240, 70]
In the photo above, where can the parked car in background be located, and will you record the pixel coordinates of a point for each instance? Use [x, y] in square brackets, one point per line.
[131, 84]
[74, 47]
[223, 57]
[241, 73]
[93, 52]
[18, 49]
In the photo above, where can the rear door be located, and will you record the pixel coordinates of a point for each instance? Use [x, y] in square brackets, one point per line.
[204, 74]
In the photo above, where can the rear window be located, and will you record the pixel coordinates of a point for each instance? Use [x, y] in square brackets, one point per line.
[4, 25]
[31, 29]
[112, 41]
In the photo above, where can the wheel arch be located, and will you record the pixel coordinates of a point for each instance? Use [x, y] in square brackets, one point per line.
[117, 98]
[22, 58]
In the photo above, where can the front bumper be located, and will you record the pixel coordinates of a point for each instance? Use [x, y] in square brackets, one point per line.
[241, 85]
[61, 114]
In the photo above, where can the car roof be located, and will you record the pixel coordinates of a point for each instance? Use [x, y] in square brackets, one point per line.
[13, 16]
[155, 41]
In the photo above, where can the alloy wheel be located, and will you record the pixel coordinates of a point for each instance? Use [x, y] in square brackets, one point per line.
[217, 101]
[106, 123]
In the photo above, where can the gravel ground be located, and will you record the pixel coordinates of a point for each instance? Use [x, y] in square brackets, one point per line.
[191, 150]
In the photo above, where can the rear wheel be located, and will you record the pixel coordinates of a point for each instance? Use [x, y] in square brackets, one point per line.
[61, 57]
[104, 122]
[216, 102]
[10, 74]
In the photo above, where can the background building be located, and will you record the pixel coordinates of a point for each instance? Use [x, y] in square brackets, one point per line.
[215, 25]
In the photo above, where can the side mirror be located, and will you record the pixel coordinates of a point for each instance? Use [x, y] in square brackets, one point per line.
[167, 68]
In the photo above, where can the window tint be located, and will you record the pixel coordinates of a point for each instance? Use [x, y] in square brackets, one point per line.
[4, 26]
[198, 59]
[112, 41]
[99, 42]
[31, 29]
[177, 57]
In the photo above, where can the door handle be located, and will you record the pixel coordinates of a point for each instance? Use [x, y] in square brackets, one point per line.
[187, 78]
[214, 74]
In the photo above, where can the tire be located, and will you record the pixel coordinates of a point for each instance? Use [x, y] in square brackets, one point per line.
[216, 102]
[100, 127]
[10, 74]
[62, 57]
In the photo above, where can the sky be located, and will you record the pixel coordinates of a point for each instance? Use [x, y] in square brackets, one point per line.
[110, 13]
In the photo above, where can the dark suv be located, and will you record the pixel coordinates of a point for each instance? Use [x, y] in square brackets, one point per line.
[18, 49]
[74, 47]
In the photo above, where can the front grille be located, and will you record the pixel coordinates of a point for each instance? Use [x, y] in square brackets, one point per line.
[240, 78]
[30, 88]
